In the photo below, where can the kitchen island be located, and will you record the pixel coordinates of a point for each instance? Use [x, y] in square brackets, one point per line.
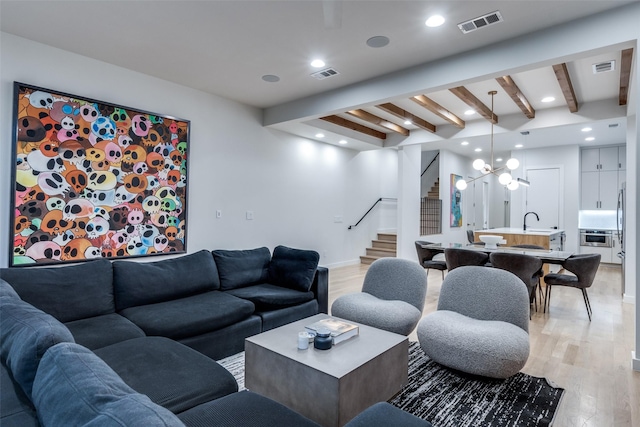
[547, 238]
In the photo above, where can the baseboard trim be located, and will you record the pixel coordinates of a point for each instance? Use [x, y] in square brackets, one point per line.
[629, 299]
[635, 362]
[343, 263]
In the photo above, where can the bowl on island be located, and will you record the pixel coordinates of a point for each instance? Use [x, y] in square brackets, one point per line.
[491, 241]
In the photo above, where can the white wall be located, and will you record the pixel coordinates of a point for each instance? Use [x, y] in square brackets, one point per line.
[295, 187]
[431, 175]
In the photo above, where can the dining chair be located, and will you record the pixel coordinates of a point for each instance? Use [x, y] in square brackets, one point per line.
[456, 257]
[526, 267]
[470, 238]
[541, 272]
[425, 257]
[584, 268]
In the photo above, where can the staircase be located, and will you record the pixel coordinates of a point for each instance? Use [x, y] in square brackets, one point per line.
[434, 192]
[383, 247]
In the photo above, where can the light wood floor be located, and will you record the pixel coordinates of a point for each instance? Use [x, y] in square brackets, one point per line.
[590, 360]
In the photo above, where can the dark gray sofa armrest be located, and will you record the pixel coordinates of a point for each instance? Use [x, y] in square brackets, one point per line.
[320, 289]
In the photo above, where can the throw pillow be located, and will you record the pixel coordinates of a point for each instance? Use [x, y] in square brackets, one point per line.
[293, 268]
[239, 268]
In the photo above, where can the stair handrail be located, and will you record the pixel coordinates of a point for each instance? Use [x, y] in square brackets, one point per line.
[429, 165]
[370, 209]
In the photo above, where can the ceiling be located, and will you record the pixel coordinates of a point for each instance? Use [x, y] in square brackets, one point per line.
[225, 47]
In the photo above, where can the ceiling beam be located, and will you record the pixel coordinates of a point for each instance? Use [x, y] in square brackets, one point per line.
[517, 96]
[379, 121]
[473, 102]
[439, 110]
[405, 115]
[562, 74]
[340, 121]
[625, 73]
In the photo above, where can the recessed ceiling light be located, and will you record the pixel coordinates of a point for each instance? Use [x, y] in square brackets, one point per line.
[408, 122]
[469, 112]
[499, 159]
[586, 129]
[319, 135]
[464, 143]
[519, 145]
[317, 63]
[434, 21]
[342, 141]
[548, 99]
[270, 78]
[590, 139]
[378, 41]
[477, 150]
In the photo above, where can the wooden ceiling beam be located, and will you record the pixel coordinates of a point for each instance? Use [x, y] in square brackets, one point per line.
[625, 73]
[405, 115]
[378, 121]
[439, 110]
[340, 121]
[517, 96]
[473, 102]
[562, 74]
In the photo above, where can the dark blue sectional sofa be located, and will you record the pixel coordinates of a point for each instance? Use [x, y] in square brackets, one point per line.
[135, 343]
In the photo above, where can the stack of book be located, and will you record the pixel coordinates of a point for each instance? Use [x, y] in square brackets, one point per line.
[340, 330]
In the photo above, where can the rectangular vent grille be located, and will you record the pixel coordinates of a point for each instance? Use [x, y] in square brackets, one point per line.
[603, 67]
[325, 74]
[481, 21]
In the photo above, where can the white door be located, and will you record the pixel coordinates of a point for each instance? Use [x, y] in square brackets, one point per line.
[543, 197]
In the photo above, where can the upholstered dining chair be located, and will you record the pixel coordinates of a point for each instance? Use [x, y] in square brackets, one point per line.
[584, 268]
[425, 257]
[526, 267]
[392, 297]
[541, 272]
[456, 257]
[481, 325]
[470, 237]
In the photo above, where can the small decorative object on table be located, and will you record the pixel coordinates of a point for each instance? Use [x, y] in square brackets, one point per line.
[303, 340]
[323, 340]
[339, 329]
[491, 241]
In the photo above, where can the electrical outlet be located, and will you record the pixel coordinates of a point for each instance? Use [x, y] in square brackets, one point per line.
[218, 213]
[249, 215]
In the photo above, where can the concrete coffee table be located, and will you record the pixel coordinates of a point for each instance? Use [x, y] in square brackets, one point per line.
[328, 386]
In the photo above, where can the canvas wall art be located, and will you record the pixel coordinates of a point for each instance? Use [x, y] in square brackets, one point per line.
[93, 179]
[456, 198]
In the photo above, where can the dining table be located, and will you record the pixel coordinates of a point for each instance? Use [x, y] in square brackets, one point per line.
[547, 256]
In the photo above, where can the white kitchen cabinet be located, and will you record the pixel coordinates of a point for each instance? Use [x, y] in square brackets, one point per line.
[608, 255]
[599, 190]
[622, 157]
[601, 159]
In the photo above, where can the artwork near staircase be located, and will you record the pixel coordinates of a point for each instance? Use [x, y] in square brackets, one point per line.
[456, 198]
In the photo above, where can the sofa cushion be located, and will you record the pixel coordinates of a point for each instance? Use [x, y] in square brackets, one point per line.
[76, 388]
[171, 374]
[194, 315]
[293, 268]
[7, 291]
[274, 318]
[267, 296]
[101, 331]
[16, 410]
[138, 283]
[67, 293]
[244, 409]
[26, 334]
[240, 268]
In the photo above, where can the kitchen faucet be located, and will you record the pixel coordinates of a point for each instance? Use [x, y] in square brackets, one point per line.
[525, 219]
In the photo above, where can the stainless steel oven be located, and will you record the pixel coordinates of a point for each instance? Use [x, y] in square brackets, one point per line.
[599, 238]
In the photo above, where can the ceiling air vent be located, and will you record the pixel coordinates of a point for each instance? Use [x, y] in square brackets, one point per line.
[479, 22]
[603, 67]
[325, 74]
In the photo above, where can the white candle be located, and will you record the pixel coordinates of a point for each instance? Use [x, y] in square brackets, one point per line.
[303, 340]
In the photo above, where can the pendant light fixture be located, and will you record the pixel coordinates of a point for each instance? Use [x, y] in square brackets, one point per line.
[504, 177]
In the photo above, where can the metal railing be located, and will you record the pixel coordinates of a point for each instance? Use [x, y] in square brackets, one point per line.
[430, 216]
[370, 209]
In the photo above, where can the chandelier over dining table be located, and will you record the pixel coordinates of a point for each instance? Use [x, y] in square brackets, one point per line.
[503, 173]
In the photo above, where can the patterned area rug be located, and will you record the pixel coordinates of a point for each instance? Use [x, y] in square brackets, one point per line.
[450, 398]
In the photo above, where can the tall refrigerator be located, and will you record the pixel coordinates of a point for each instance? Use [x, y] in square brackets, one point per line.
[622, 199]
